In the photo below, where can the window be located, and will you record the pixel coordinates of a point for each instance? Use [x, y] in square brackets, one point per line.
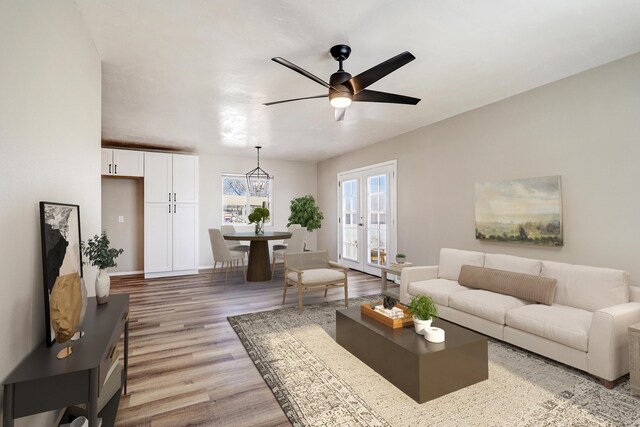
[236, 202]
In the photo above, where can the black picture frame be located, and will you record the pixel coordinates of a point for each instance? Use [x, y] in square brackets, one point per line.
[61, 253]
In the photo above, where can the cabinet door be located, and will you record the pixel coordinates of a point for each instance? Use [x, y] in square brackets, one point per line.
[157, 237]
[185, 236]
[185, 178]
[128, 163]
[157, 177]
[107, 161]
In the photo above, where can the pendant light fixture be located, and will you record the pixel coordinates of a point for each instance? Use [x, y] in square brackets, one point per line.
[258, 180]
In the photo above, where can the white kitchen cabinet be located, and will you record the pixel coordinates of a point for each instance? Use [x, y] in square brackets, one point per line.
[126, 163]
[171, 225]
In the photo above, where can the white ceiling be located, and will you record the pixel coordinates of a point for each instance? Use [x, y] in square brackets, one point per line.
[194, 73]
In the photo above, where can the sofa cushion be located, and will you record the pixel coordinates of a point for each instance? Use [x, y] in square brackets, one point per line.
[560, 323]
[485, 304]
[513, 263]
[318, 275]
[524, 286]
[438, 289]
[588, 288]
[452, 260]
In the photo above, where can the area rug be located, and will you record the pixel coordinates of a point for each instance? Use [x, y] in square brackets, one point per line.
[319, 383]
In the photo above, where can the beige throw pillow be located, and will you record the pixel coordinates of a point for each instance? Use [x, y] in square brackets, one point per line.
[524, 286]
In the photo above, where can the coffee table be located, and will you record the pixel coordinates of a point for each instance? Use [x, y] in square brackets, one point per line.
[422, 370]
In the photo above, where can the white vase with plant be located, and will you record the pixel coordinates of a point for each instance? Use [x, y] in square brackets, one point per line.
[424, 311]
[102, 256]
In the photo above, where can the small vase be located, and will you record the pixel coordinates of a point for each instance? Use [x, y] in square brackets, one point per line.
[421, 325]
[400, 259]
[103, 283]
[259, 227]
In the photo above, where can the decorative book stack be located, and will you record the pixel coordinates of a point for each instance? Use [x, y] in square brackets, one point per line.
[393, 313]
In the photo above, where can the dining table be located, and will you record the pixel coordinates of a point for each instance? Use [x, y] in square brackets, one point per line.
[259, 267]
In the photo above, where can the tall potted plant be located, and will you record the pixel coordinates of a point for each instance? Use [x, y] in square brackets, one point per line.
[102, 256]
[424, 311]
[305, 212]
[259, 216]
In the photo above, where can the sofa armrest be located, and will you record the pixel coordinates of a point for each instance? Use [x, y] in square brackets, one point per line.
[415, 274]
[608, 356]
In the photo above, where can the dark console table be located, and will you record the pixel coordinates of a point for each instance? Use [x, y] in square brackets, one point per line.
[42, 383]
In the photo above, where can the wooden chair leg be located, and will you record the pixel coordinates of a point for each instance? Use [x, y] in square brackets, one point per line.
[326, 288]
[213, 272]
[244, 272]
[284, 291]
[299, 299]
[273, 267]
[346, 292]
[226, 274]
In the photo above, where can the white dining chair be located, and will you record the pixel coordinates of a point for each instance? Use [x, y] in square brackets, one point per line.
[222, 254]
[285, 242]
[296, 244]
[233, 245]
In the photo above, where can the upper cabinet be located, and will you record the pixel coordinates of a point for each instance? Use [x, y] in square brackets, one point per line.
[170, 178]
[122, 162]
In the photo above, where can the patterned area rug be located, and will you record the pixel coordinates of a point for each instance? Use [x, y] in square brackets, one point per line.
[319, 383]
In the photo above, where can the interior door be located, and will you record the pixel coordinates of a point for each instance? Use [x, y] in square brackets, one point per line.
[367, 228]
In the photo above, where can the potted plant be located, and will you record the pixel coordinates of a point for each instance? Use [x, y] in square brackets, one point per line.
[424, 311]
[259, 216]
[305, 212]
[102, 256]
[401, 258]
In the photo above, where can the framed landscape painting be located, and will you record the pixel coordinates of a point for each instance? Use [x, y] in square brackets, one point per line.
[520, 211]
[60, 234]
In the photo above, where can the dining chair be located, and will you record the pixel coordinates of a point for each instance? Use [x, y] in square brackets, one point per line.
[284, 243]
[222, 254]
[296, 244]
[233, 245]
[312, 270]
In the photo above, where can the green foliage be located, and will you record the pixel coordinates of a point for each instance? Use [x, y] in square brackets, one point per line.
[305, 212]
[423, 307]
[99, 253]
[400, 255]
[259, 214]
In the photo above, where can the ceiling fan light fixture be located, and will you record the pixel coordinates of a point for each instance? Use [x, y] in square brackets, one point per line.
[340, 97]
[340, 101]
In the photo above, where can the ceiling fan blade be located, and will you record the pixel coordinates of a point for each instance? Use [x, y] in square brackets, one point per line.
[391, 98]
[299, 70]
[339, 112]
[295, 99]
[373, 74]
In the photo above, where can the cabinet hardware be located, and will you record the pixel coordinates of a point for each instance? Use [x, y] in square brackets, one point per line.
[169, 207]
[174, 208]
[112, 352]
[126, 316]
[109, 167]
[169, 196]
[174, 197]
[115, 169]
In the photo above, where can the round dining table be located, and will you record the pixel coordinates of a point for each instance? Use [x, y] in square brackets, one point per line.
[259, 268]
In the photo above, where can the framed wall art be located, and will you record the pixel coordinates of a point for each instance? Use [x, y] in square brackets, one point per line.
[61, 254]
[520, 211]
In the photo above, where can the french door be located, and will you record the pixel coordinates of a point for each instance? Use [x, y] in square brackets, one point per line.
[366, 217]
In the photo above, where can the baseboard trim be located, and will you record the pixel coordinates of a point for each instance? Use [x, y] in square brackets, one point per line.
[126, 273]
[170, 274]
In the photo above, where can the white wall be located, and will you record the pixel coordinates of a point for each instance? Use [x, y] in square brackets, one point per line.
[124, 197]
[584, 128]
[50, 83]
[292, 179]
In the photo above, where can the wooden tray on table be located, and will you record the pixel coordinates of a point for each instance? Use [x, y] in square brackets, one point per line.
[367, 310]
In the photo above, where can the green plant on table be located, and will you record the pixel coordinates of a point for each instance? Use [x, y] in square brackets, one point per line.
[259, 215]
[99, 253]
[423, 307]
[305, 212]
[400, 255]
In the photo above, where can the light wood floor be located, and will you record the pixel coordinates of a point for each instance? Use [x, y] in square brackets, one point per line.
[186, 365]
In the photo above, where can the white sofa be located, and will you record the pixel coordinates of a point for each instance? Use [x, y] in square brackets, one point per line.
[585, 327]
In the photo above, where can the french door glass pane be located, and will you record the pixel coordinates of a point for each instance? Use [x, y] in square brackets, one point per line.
[376, 219]
[350, 219]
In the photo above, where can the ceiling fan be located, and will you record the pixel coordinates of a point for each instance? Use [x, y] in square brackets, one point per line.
[344, 89]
